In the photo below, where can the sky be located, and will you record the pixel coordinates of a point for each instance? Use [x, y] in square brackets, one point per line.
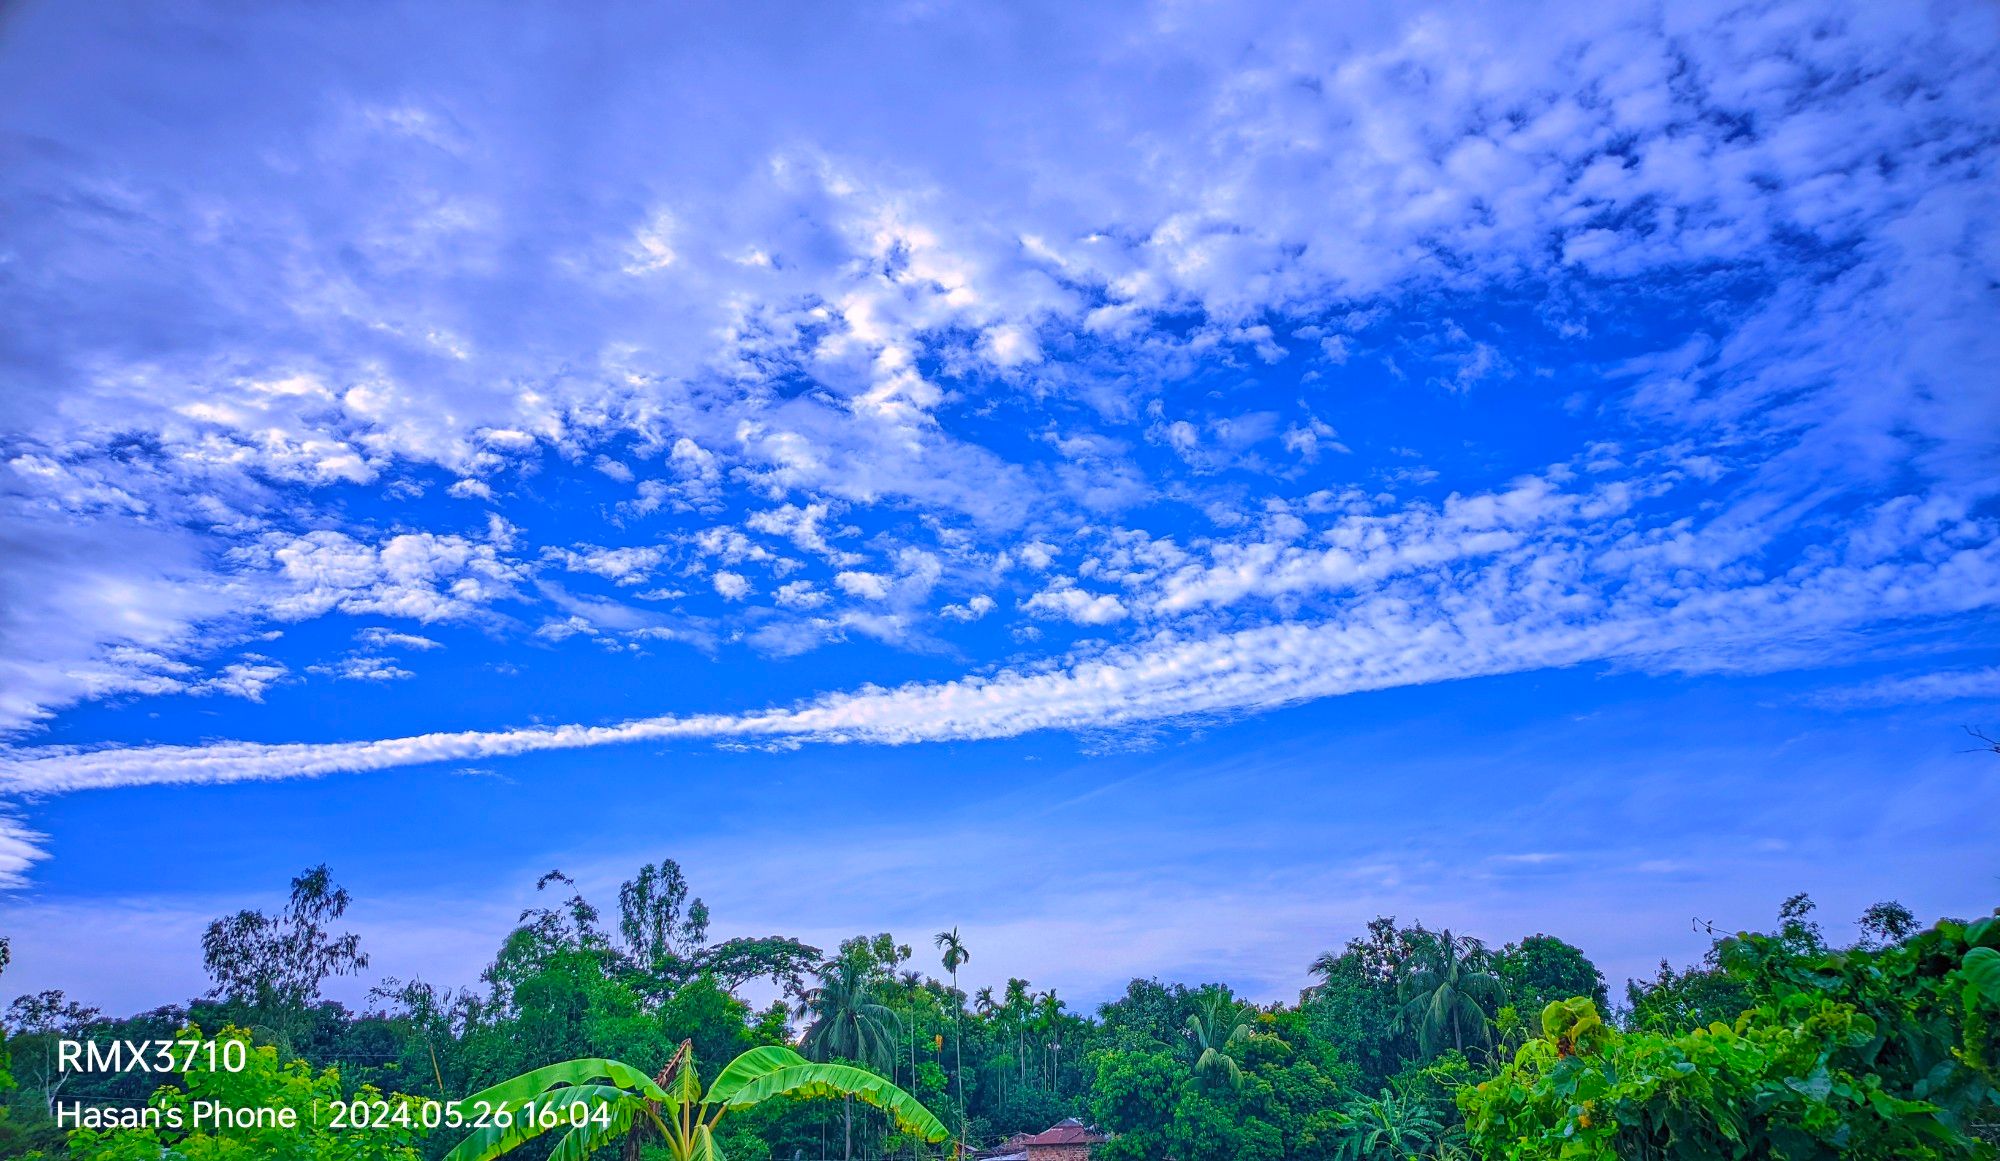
[1151, 485]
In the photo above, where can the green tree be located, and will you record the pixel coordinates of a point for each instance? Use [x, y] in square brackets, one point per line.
[1541, 969]
[954, 955]
[850, 1021]
[664, 937]
[1448, 995]
[1220, 1025]
[1867, 1053]
[36, 1022]
[275, 964]
[1133, 1096]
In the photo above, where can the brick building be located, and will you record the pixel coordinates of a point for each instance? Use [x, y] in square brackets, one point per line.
[1066, 1140]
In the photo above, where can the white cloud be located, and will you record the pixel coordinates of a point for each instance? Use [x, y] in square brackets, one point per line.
[1945, 685]
[362, 667]
[1064, 601]
[1377, 643]
[870, 586]
[800, 594]
[376, 637]
[828, 335]
[972, 610]
[621, 566]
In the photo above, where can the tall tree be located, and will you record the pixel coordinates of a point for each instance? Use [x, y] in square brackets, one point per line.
[276, 963]
[662, 929]
[1450, 993]
[850, 1021]
[954, 955]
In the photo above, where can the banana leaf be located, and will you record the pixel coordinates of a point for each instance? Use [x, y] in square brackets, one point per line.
[493, 1141]
[806, 1081]
[757, 1062]
[587, 1138]
[584, 1070]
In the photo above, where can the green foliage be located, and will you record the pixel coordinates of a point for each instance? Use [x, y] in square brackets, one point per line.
[850, 1020]
[1411, 1043]
[678, 1112]
[264, 1083]
[1863, 1053]
[275, 964]
[1542, 968]
[1449, 993]
[1221, 1025]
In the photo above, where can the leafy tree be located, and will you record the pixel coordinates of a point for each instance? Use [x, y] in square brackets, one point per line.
[1886, 923]
[849, 1021]
[658, 933]
[1678, 1001]
[1541, 969]
[1353, 1005]
[625, 1103]
[275, 964]
[1134, 1095]
[1449, 992]
[37, 1021]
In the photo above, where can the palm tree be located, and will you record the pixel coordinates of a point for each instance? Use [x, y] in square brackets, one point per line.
[1447, 995]
[1016, 1007]
[618, 1100]
[1048, 1021]
[851, 1022]
[954, 955]
[1222, 1024]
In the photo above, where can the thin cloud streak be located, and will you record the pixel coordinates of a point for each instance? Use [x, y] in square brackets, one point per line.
[1382, 644]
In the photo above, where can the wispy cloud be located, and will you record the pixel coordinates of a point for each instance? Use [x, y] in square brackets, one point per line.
[1384, 642]
[1946, 685]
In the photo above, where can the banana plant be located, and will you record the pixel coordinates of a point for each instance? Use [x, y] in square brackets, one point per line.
[616, 1098]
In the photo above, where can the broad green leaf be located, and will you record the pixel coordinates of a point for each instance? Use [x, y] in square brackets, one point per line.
[748, 1067]
[1982, 967]
[687, 1083]
[586, 1139]
[494, 1141]
[1984, 932]
[584, 1070]
[705, 1148]
[806, 1081]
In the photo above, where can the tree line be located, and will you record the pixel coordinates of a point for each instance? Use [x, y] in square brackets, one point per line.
[1406, 1041]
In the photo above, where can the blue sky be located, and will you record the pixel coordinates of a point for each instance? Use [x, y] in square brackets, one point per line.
[1153, 486]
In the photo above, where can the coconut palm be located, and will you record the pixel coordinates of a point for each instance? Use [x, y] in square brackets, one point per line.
[1447, 994]
[850, 1021]
[954, 955]
[1221, 1024]
[600, 1101]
